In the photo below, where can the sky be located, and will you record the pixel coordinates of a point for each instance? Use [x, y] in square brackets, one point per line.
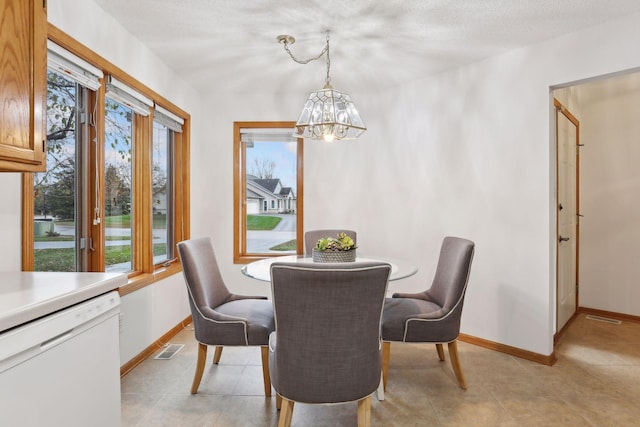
[284, 156]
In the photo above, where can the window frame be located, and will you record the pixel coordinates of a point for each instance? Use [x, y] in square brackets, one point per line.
[144, 271]
[170, 217]
[240, 255]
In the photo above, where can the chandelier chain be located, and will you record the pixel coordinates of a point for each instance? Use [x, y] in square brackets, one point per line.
[306, 61]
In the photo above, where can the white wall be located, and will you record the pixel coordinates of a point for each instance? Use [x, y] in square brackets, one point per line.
[463, 153]
[610, 181]
[149, 313]
[10, 221]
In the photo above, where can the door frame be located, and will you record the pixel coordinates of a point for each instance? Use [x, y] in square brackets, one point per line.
[559, 108]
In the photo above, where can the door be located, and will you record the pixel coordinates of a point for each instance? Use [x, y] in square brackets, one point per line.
[568, 163]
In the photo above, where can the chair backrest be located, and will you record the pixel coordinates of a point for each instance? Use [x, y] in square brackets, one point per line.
[328, 329]
[311, 237]
[201, 273]
[452, 274]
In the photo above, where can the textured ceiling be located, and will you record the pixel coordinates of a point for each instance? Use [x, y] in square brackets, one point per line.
[231, 44]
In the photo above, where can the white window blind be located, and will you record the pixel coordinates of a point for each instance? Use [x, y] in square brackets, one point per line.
[120, 92]
[167, 118]
[267, 135]
[77, 69]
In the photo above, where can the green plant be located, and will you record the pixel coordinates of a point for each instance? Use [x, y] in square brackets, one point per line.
[342, 243]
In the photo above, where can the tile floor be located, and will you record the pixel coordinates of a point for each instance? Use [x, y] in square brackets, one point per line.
[595, 382]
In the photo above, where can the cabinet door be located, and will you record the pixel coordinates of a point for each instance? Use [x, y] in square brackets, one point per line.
[23, 80]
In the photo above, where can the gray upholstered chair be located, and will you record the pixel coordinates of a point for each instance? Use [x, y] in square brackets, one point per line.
[432, 316]
[311, 237]
[327, 347]
[221, 318]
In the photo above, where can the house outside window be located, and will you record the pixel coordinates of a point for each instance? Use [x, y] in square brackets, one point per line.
[267, 174]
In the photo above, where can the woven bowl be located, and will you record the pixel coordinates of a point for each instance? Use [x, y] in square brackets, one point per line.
[330, 256]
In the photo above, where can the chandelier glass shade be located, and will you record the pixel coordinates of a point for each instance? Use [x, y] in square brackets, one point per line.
[327, 114]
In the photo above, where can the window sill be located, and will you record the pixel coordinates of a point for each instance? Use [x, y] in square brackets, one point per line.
[139, 281]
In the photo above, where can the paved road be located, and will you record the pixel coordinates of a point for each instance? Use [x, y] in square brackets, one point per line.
[259, 241]
[159, 236]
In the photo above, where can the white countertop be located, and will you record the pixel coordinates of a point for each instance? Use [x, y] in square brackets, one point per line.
[25, 296]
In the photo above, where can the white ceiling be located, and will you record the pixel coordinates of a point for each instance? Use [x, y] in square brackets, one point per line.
[231, 44]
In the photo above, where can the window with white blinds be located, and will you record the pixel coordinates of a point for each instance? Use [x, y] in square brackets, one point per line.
[267, 135]
[104, 162]
[72, 67]
[120, 92]
[168, 119]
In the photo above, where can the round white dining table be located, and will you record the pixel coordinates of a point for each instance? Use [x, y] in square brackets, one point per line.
[260, 269]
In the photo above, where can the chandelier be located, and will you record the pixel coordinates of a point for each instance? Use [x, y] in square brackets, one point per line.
[327, 114]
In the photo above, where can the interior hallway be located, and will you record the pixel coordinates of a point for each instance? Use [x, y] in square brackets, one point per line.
[595, 382]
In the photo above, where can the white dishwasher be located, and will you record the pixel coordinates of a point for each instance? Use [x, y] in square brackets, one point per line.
[63, 369]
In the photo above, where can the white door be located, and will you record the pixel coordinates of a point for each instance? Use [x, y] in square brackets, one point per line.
[568, 133]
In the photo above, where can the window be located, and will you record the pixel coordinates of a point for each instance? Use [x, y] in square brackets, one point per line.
[118, 186]
[59, 195]
[165, 127]
[267, 173]
[108, 199]
[57, 221]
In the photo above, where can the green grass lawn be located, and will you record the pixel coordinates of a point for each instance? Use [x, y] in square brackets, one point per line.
[67, 238]
[262, 222]
[64, 259]
[118, 221]
[124, 221]
[285, 246]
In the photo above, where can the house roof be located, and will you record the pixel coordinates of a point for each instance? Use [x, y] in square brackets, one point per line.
[252, 194]
[269, 184]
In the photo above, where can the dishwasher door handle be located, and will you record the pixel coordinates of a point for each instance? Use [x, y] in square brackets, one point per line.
[52, 342]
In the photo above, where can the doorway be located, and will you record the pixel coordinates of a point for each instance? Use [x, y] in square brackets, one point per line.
[567, 214]
[608, 235]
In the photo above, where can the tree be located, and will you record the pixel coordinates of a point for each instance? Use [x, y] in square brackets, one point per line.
[61, 122]
[159, 179]
[61, 193]
[118, 167]
[263, 168]
[54, 189]
[117, 195]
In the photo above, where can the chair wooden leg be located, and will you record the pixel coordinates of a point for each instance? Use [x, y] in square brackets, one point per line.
[286, 413]
[265, 370]
[278, 401]
[455, 363]
[364, 412]
[386, 352]
[217, 354]
[440, 351]
[202, 359]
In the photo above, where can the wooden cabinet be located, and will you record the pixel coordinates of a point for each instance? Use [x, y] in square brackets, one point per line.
[23, 85]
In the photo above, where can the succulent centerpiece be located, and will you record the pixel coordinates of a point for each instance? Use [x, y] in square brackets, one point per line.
[331, 249]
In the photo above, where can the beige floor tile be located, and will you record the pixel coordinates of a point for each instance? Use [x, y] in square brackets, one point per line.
[594, 383]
